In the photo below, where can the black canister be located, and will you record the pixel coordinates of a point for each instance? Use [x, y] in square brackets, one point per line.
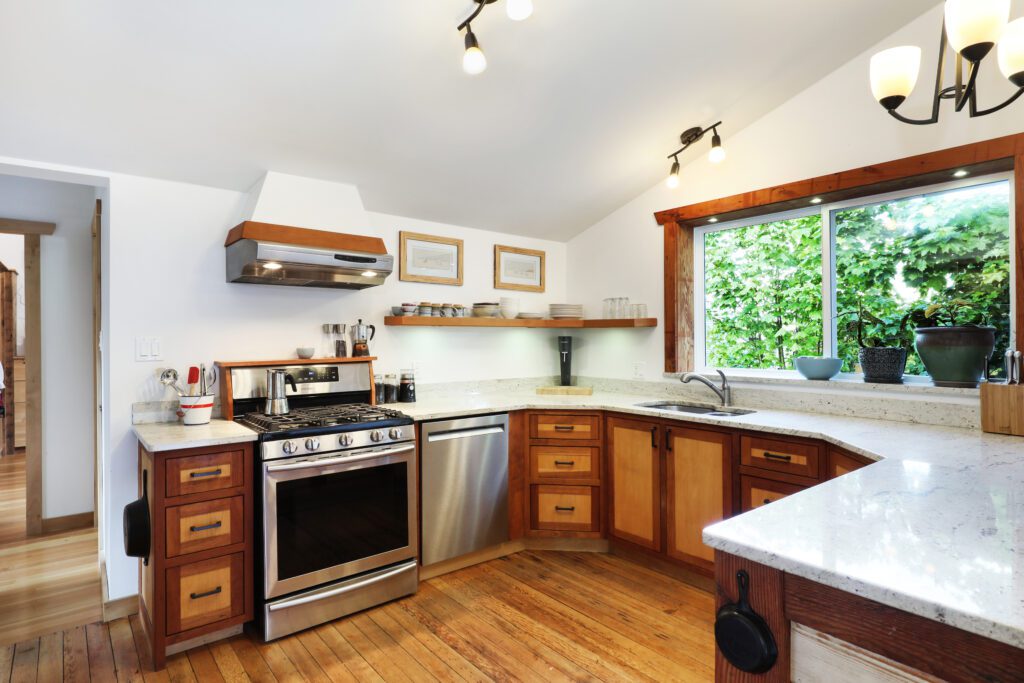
[565, 360]
[407, 387]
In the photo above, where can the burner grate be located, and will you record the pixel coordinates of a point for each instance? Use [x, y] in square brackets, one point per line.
[324, 416]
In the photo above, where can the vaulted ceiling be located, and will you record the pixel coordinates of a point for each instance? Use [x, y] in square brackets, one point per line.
[574, 116]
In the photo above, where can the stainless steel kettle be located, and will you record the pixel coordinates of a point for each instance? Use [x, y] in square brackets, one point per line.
[277, 400]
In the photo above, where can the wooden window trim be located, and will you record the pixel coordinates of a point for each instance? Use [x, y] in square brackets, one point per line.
[980, 158]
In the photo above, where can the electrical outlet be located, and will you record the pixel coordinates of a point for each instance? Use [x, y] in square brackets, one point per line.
[639, 369]
[148, 349]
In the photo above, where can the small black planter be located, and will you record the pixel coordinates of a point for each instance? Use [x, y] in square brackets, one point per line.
[884, 365]
[955, 356]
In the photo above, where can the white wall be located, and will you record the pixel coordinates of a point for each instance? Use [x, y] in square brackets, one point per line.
[12, 255]
[66, 297]
[832, 126]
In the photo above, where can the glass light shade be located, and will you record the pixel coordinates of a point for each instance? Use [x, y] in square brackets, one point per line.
[672, 182]
[1011, 52]
[894, 74]
[519, 9]
[474, 61]
[717, 153]
[976, 24]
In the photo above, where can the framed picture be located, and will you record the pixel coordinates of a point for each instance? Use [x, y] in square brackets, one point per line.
[426, 258]
[521, 269]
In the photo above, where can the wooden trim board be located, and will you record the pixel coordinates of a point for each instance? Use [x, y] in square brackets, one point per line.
[20, 227]
[543, 323]
[81, 520]
[305, 237]
[33, 390]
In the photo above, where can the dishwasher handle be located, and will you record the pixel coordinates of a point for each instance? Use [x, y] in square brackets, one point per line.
[465, 433]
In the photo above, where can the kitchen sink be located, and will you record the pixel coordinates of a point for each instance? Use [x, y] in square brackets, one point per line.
[695, 409]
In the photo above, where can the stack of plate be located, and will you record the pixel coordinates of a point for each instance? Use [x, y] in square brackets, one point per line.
[566, 311]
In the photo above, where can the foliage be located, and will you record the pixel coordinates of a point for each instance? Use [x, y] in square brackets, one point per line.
[946, 311]
[763, 301]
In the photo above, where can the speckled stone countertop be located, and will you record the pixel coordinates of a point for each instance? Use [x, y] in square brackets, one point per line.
[169, 436]
[935, 528]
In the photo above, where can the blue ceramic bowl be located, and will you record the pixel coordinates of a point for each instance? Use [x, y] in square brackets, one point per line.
[812, 367]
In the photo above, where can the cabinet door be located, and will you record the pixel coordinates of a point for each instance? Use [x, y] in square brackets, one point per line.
[698, 487]
[841, 462]
[634, 478]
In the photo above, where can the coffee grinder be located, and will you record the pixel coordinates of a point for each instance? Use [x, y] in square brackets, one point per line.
[565, 360]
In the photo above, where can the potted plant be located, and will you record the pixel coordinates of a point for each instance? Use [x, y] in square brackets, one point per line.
[954, 352]
[883, 350]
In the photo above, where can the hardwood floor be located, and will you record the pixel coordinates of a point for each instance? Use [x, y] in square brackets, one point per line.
[533, 616]
[47, 583]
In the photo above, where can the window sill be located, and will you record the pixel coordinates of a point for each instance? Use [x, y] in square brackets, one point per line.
[912, 386]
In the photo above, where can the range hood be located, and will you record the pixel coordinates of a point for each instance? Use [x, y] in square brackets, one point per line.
[269, 254]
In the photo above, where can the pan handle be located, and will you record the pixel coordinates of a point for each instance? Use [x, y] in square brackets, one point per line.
[743, 584]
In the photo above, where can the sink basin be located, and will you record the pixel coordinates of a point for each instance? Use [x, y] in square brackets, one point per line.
[695, 409]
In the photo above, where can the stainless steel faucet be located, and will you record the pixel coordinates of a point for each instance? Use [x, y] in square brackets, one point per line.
[724, 394]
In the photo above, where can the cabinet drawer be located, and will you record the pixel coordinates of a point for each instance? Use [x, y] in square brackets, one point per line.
[756, 492]
[781, 456]
[564, 508]
[206, 525]
[205, 592]
[200, 473]
[576, 427]
[841, 462]
[565, 462]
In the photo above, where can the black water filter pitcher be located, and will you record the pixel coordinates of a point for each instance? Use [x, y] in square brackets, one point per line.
[565, 359]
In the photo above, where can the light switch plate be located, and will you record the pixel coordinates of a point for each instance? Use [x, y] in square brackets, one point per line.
[148, 349]
[639, 370]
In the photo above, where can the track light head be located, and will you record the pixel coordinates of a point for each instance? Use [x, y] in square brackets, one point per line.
[473, 59]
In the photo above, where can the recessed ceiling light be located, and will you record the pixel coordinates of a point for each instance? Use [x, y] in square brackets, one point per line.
[712, 220]
[960, 174]
[816, 200]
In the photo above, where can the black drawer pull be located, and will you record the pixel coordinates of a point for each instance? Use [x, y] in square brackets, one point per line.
[205, 527]
[564, 428]
[654, 437]
[211, 473]
[567, 463]
[767, 500]
[196, 596]
[560, 508]
[778, 456]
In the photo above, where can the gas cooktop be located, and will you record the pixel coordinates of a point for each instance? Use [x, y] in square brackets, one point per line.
[325, 419]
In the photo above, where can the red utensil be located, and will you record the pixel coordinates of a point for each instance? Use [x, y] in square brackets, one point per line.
[193, 380]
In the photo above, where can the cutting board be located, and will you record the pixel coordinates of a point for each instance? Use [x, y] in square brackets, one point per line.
[565, 391]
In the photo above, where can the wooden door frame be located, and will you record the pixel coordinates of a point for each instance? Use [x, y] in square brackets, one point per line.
[979, 158]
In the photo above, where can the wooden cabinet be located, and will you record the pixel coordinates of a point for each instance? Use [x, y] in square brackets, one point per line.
[757, 491]
[634, 481]
[19, 402]
[199, 576]
[841, 462]
[698, 490]
[564, 464]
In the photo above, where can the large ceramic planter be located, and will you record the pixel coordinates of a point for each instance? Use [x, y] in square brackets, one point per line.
[955, 356]
[883, 364]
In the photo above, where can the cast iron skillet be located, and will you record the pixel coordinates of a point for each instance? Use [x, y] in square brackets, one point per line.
[136, 525]
[742, 635]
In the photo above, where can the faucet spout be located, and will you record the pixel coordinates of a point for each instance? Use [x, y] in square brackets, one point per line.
[724, 393]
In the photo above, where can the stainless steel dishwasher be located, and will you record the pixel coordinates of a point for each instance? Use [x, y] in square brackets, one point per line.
[464, 478]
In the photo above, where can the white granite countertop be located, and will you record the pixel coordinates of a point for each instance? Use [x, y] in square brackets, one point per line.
[169, 436]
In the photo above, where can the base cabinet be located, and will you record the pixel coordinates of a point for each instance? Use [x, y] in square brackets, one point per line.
[634, 482]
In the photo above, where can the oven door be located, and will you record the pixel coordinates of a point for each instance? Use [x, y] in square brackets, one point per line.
[337, 515]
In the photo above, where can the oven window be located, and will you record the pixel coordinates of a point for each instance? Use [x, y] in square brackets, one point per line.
[332, 519]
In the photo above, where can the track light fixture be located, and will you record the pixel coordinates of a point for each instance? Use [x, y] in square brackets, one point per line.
[689, 137]
[473, 59]
[972, 28]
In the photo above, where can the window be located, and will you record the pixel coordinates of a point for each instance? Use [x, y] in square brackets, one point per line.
[787, 285]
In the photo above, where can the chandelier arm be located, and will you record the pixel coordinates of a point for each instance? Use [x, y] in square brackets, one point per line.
[916, 122]
[992, 110]
[697, 138]
[474, 15]
[968, 93]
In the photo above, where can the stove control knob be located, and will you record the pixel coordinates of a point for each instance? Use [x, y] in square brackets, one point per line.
[312, 444]
[377, 435]
[395, 433]
[345, 440]
[289, 447]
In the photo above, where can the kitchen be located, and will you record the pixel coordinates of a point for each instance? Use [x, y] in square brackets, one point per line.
[168, 284]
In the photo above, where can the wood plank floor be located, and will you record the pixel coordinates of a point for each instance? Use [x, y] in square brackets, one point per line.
[533, 616]
[47, 583]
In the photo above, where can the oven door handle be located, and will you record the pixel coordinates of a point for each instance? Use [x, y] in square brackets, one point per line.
[339, 461]
[341, 590]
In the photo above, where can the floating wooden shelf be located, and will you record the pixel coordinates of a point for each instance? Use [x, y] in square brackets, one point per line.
[424, 321]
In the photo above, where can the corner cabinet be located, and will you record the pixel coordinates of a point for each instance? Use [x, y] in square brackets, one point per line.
[634, 482]
[698, 490]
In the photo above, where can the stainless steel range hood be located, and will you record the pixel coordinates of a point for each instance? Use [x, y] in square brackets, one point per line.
[268, 254]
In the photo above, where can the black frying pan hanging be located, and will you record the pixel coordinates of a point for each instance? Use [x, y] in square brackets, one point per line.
[742, 634]
[136, 525]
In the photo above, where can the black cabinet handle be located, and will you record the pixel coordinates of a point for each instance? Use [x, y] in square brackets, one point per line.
[654, 437]
[559, 508]
[564, 428]
[196, 596]
[767, 500]
[668, 439]
[205, 527]
[567, 463]
[778, 456]
[211, 473]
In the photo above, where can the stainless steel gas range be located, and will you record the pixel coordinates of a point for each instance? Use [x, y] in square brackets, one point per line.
[336, 498]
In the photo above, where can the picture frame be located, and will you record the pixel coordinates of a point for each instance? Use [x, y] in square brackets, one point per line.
[429, 258]
[518, 269]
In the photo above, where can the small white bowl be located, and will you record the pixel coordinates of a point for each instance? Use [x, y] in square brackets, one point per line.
[305, 351]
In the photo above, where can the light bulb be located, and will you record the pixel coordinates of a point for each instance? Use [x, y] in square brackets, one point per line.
[672, 182]
[473, 59]
[717, 153]
[894, 74]
[519, 9]
[1011, 52]
[272, 265]
[975, 26]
